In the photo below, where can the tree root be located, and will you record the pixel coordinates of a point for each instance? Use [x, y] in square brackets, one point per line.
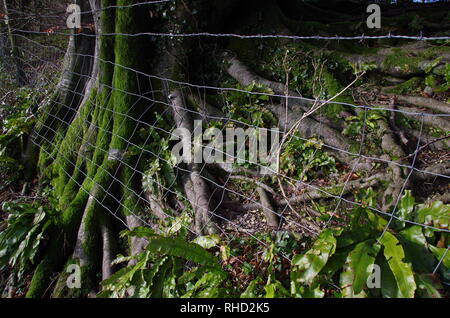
[109, 247]
[385, 60]
[396, 173]
[195, 186]
[314, 194]
[256, 182]
[439, 122]
[430, 103]
[433, 171]
[309, 126]
[268, 210]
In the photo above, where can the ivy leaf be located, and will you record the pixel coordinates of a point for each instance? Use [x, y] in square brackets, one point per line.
[357, 268]
[402, 271]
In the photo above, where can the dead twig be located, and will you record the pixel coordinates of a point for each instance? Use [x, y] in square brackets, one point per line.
[420, 149]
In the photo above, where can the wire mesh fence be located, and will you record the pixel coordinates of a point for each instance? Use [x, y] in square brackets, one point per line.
[41, 51]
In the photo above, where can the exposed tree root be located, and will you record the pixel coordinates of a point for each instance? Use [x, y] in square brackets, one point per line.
[430, 103]
[433, 171]
[268, 210]
[396, 174]
[313, 194]
[195, 186]
[439, 122]
[397, 62]
[109, 246]
[256, 182]
[308, 127]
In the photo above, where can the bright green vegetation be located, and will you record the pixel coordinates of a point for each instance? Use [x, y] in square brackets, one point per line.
[15, 129]
[303, 159]
[411, 86]
[338, 263]
[248, 108]
[296, 64]
[26, 229]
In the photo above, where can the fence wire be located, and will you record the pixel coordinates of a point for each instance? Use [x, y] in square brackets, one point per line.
[41, 57]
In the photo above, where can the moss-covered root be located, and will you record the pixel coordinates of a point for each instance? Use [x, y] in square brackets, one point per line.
[44, 273]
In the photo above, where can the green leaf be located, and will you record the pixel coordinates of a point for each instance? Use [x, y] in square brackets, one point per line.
[439, 253]
[180, 248]
[444, 268]
[250, 291]
[275, 289]
[357, 268]
[225, 252]
[120, 281]
[139, 231]
[311, 263]
[416, 249]
[144, 290]
[428, 287]
[313, 292]
[436, 214]
[207, 241]
[405, 207]
[211, 279]
[402, 271]
[21, 239]
[389, 288]
[346, 279]
[170, 287]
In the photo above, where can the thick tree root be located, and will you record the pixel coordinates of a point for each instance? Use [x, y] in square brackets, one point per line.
[397, 62]
[439, 122]
[334, 141]
[314, 194]
[396, 173]
[268, 210]
[195, 186]
[430, 103]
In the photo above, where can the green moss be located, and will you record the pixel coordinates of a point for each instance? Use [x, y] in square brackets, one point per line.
[332, 87]
[61, 290]
[125, 80]
[400, 62]
[44, 271]
[434, 52]
[274, 59]
[412, 85]
[71, 216]
[130, 200]
[107, 46]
